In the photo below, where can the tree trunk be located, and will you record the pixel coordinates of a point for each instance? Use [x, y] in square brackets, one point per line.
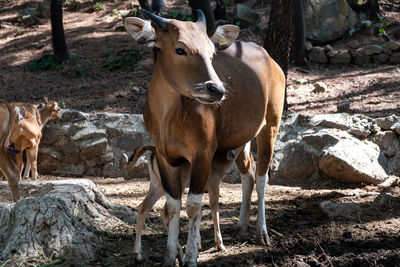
[299, 33]
[57, 30]
[278, 36]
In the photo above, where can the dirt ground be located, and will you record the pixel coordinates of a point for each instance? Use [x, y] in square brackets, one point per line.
[299, 231]
[94, 37]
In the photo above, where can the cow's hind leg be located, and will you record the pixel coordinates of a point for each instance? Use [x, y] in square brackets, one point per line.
[220, 165]
[265, 149]
[155, 192]
[245, 162]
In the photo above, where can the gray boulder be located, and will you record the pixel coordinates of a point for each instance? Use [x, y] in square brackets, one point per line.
[351, 160]
[245, 14]
[328, 20]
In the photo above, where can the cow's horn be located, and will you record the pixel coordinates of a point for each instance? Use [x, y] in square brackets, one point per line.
[159, 21]
[201, 17]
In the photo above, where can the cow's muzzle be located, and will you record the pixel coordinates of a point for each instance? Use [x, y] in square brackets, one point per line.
[210, 93]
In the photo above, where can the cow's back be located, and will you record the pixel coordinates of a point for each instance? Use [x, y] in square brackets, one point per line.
[252, 78]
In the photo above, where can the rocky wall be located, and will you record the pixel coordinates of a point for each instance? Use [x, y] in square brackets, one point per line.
[83, 144]
[349, 148]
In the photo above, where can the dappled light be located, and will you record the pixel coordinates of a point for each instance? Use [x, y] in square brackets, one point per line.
[333, 196]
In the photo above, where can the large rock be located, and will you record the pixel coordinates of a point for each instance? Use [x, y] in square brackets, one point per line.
[65, 218]
[339, 146]
[328, 20]
[246, 14]
[351, 160]
[29, 17]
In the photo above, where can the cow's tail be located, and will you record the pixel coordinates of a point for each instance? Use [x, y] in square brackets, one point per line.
[137, 154]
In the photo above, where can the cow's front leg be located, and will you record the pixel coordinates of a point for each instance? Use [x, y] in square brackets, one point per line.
[193, 210]
[173, 248]
[198, 181]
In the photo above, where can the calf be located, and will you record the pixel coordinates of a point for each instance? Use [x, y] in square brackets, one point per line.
[7, 165]
[27, 133]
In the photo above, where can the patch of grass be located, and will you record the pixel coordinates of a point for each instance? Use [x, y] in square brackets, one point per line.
[116, 14]
[130, 58]
[72, 5]
[46, 62]
[98, 6]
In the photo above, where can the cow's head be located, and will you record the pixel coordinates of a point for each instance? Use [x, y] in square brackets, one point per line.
[52, 108]
[185, 53]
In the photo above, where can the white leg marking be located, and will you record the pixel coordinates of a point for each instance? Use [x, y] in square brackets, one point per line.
[247, 190]
[174, 208]
[155, 192]
[261, 227]
[193, 209]
[27, 170]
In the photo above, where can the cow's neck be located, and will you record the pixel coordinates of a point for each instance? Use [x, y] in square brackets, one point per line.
[44, 116]
[163, 99]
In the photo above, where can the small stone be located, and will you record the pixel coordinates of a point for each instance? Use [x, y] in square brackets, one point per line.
[395, 58]
[362, 59]
[373, 50]
[381, 58]
[343, 107]
[354, 52]
[341, 58]
[365, 24]
[387, 51]
[354, 44]
[390, 152]
[393, 45]
[396, 127]
[328, 48]
[308, 46]
[330, 54]
[320, 87]
[386, 123]
[317, 55]
[385, 139]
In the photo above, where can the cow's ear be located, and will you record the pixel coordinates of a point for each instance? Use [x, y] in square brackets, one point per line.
[140, 30]
[225, 35]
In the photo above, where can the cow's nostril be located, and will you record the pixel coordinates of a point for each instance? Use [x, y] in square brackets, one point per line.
[214, 89]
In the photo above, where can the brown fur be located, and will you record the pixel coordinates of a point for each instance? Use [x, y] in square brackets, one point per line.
[27, 133]
[193, 132]
[244, 162]
[7, 165]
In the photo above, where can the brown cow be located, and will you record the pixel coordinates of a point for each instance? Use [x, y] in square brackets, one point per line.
[202, 104]
[7, 165]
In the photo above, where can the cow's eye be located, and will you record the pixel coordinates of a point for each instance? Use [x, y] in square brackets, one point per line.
[180, 51]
